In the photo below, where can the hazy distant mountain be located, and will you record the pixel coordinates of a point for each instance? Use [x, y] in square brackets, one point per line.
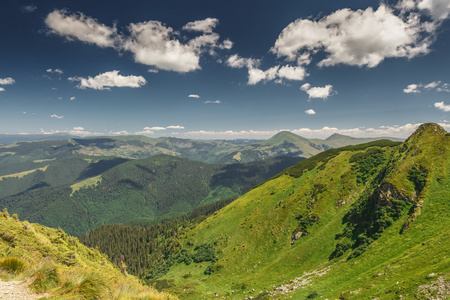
[6, 139]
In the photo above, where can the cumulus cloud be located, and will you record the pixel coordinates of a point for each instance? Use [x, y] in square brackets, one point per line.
[155, 128]
[358, 38]
[105, 81]
[151, 43]
[310, 112]
[2, 89]
[419, 87]
[317, 92]
[288, 72]
[72, 98]
[439, 9]
[442, 106]
[154, 44]
[81, 27]
[58, 71]
[213, 102]
[193, 96]
[151, 130]
[121, 132]
[56, 116]
[237, 62]
[411, 89]
[207, 25]
[77, 130]
[7, 81]
[29, 8]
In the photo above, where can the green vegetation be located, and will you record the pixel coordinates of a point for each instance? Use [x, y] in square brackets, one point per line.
[56, 264]
[113, 191]
[376, 218]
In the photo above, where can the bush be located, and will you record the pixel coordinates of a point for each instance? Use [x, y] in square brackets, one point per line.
[90, 286]
[312, 295]
[12, 265]
[204, 252]
[45, 278]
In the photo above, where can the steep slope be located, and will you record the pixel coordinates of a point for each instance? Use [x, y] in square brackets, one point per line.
[353, 223]
[56, 266]
[148, 188]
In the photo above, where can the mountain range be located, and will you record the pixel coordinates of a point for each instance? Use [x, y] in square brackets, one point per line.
[368, 221]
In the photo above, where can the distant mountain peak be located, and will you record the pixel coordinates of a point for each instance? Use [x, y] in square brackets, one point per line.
[283, 136]
[336, 136]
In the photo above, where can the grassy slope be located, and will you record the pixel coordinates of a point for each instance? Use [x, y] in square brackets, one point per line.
[252, 235]
[57, 264]
[147, 188]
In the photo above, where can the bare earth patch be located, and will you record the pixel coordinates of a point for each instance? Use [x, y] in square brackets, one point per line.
[16, 290]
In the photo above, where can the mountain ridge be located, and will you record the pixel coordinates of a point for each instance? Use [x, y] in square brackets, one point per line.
[353, 225]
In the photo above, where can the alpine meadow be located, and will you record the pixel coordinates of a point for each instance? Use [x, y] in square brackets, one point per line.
[238, 150]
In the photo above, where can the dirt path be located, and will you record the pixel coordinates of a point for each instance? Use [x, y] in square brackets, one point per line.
[16, 290]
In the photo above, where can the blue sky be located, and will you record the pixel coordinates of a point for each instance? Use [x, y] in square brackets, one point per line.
[224, 69]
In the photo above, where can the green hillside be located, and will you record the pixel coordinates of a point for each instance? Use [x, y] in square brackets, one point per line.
[360, 222]
[56, 266]
[78, 195]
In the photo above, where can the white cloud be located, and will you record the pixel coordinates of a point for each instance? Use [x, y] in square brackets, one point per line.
[411, 89]
[154, 44]
[193, 96]
[284, 72]
[59, 71]
[439, 9]
[227, 44]
[78, 26]
[78, 130]
[56, 116]
[72, 98]
[156, 128]
[435, 85]
[6, 81]
[29, 8]
[206, 25]
[432, 85]
[310, 112]
[317, 92]
[442, 106]
[175, 127]
[145, 132]
[359, 38]
[122, 132]
[213, 102]
[153, 71]
[237, 62]
[105, 81]
[256, 75]
[151, 43]
[292, 73]
[2, 89]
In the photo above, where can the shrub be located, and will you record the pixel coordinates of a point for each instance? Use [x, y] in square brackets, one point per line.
[12, 265]
[312, 295]
[90, 286]
[45, 278]
[204, 252]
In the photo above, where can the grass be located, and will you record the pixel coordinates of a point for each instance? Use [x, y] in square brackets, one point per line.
[22, 174]
[90, 182]
[55, 263]
[253, 235]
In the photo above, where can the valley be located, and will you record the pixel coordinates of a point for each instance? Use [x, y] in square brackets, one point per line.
[360, 221]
